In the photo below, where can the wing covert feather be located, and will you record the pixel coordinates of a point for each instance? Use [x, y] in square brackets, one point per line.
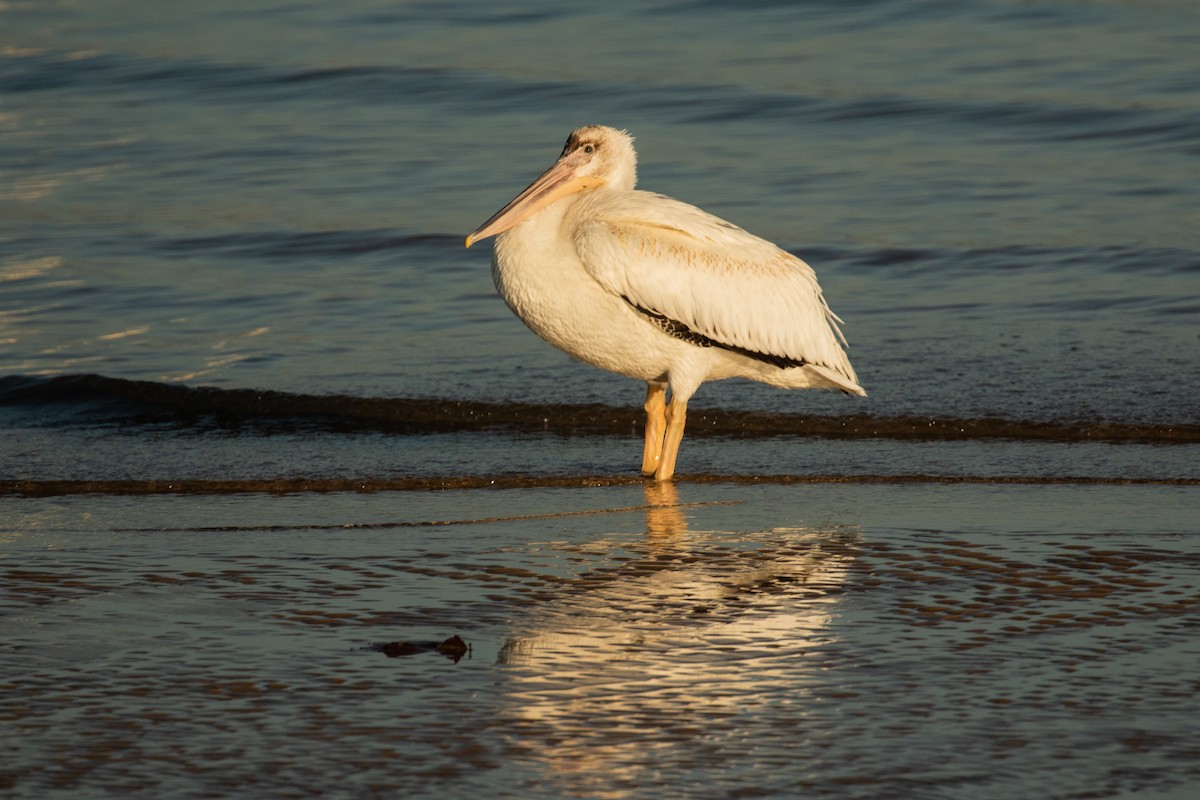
[679, 261]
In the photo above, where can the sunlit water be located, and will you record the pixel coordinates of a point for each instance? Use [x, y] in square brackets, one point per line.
[771, 641]
[231, 264]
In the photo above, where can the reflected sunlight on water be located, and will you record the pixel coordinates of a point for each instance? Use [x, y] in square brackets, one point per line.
[815, 640]
[628, 666]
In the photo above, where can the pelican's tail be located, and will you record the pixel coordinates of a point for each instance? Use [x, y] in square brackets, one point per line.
[837, 380]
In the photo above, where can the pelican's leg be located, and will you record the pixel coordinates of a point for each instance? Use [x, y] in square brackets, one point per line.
[656, 426]
[676, 417]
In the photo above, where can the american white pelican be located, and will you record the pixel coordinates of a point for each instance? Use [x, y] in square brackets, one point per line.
[651, 288]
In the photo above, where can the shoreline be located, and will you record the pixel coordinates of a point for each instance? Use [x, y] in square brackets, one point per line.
[57, 488]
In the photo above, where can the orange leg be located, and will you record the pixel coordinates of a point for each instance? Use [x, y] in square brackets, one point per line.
[656, 426]
[676, 417]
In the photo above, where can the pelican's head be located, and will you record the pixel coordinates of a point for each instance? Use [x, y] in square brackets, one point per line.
[593, 156]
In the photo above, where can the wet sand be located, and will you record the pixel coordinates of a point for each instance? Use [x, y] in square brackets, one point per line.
[714, 639]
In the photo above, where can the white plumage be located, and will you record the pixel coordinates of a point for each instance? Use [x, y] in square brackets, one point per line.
[655, 289]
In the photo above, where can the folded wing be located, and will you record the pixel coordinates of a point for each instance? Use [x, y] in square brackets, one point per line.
[672, 260]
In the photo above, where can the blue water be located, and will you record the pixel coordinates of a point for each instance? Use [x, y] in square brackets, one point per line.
[231, 250]
[1000, 199]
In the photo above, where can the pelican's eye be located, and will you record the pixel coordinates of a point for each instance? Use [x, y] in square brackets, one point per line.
[589, 148]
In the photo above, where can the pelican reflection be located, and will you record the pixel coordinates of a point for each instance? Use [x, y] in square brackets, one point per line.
[665, 639]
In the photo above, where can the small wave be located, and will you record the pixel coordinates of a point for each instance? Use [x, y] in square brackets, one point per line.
[1049, 120]
[290, 244]
[1018, 120]
[47, 70]
[57, 488]
[1060, 263]
[92, 398]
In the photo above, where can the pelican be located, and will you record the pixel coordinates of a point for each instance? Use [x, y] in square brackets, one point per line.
[652, 288]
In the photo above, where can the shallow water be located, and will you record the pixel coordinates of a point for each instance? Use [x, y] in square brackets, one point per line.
[261, 412]
[720, 641]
